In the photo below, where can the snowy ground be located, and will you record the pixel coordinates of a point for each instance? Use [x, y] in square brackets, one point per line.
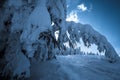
[76, 67]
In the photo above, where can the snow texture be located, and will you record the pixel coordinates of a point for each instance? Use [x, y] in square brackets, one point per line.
[75, 67]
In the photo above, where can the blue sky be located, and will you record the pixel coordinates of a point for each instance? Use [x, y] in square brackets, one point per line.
[103, 15]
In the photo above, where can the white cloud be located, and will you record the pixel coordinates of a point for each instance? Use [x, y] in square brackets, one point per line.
[72, 17]
[82, 7]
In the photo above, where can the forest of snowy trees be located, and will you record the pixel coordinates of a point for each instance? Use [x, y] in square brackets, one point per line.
[27, 31]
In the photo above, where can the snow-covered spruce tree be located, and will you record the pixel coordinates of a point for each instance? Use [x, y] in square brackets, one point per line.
[26, 32]
[90, 36]
[77, 31]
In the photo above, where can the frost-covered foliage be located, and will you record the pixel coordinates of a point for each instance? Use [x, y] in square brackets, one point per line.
[90, 36]
[26, 33]
[13, 16]
[38, 21]
[57, 10]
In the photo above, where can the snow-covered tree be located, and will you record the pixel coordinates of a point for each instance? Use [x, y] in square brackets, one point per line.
[26, 33]
[90, 36]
